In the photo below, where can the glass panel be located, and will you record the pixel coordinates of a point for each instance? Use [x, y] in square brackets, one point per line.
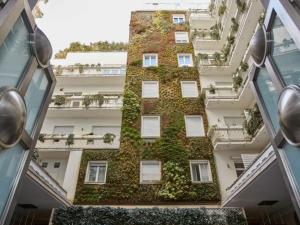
[14, 54]
[10, 161]
[285, 53]
[101, 174]
[269, 96]
[195, 172]
[92, 173]
[204, 172]
[34, 97]
[293, 155]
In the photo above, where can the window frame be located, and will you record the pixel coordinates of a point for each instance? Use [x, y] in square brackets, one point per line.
[186, 127]
[150, 181]
[150, 54]
[181, 41]
[202, 161]
[189, 81]
[142, 127]
[185, 65]
[178, 16]
[156, 95]
[87, 173]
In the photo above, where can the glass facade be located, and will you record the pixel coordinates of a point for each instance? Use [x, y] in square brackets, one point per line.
[10, 162]
[285, 53]
[14, 54]
[269, 96]
[34, 97]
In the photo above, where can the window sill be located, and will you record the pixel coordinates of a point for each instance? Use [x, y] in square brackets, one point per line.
[93, 183]
[202, 182]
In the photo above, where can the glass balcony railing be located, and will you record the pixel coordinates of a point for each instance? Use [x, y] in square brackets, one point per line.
[88, 70]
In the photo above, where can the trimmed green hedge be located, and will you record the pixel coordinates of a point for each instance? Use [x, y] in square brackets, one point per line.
[147, 216]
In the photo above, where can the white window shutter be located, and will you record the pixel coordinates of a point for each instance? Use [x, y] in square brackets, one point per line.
[150, 171]
[194, 126]
[150, 89]
[150, 126]
[248, 159]
[189, 89]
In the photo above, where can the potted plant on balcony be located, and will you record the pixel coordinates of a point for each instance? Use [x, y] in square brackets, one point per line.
[241, 5]
[255, 121]
[222, 9]
[70, 140]
[237, 82]
[41, 137]
[230, 39]
[217, 58]
[244, 66]
[212, 89]
[99, 99]
[87, 100]
[109, 138]
[234, 25]
[59, 100]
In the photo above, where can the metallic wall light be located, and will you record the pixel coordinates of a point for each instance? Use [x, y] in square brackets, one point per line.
[260, 46]
[12, 117]
[41, 47]
[289, 114]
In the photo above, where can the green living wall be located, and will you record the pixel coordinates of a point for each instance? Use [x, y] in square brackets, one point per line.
[153, 32]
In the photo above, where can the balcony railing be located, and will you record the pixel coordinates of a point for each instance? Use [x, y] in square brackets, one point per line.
[228, 134]
[80, 102]
[88, 70]
[47, 179]
[91, 141]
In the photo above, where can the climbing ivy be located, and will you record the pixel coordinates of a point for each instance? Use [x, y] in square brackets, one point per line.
[153, 32]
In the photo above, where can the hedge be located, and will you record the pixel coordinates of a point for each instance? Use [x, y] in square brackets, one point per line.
[147, 216]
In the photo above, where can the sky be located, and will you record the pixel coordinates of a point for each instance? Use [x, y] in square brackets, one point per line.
[86, 21]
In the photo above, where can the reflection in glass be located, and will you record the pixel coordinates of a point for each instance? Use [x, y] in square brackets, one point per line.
[293, 155]
[34, 97]
[10, 161]
[285, 53]
[14, 54]
[269, 96]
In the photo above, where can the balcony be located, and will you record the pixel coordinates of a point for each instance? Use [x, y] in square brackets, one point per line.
[85, 105]
[77, 141]
[52, 187]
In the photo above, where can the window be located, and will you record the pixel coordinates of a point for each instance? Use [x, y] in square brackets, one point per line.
[56, 164]
[150, 172]
[44, 164]
[96, 172]
[150, 126]
[178, 18]
[150, 60]
[63, 130]
[189, 89]
[150, 89]
[200, 171]
[181, 37]
[185, 60]
[194, 126]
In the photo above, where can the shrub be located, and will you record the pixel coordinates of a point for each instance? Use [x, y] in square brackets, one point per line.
[59, 100]
[244, 66]
[70, 140]
[237, 82]
[212, 89]
[222, 9]
[109, 138]
[87, 100]
[99, 99]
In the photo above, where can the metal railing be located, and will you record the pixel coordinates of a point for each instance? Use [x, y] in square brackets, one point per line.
[87, 70]
[229, 134]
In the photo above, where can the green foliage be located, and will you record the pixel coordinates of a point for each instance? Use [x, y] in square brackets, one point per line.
[138, 62]
[97, 46]
[212, 89]
[234, 25]
[87, 100]
[59, 100]
[148, 216]
[231, 39]
[242, 6]
[131, 107]
[99, 99]
[108, 138]
[237, 82]
[161, 22]
[255, 122]
[41, 137]
[244, 66]
[70, 140]
[217, 58]
[222, 9]
[175, 183]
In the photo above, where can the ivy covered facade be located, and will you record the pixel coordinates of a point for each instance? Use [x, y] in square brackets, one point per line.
[154, 32]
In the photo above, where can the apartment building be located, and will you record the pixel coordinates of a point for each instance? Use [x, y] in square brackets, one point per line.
[85, 113]
[250, 166]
